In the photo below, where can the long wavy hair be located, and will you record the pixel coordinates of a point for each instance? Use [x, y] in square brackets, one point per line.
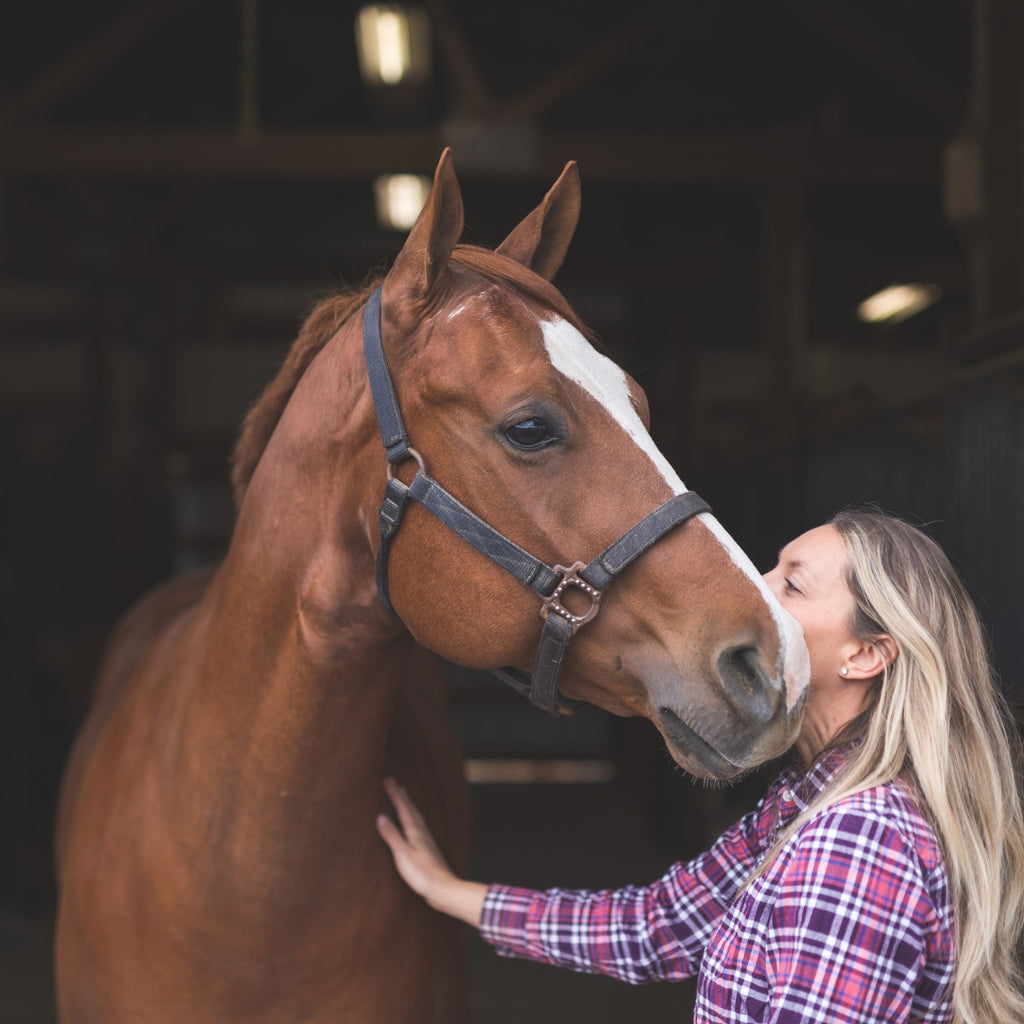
[938, 720]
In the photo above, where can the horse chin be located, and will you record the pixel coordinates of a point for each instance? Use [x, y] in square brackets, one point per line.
[692, 752]
[723, 758]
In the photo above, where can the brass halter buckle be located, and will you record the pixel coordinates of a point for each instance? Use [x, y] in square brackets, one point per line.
[571, 578]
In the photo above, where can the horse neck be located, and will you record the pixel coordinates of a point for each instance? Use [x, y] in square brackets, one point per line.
[300, 662]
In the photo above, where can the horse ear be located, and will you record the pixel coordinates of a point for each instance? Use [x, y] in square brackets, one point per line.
[542, 239]
[424, 256]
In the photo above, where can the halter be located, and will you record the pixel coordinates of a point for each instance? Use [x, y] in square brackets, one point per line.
[550, 582]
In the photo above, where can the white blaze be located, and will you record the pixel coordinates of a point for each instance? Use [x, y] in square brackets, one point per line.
[574, 357]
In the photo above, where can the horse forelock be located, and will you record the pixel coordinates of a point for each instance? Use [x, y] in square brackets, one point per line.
[504, 271]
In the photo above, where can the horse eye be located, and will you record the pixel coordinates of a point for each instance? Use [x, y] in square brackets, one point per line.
[529, 433]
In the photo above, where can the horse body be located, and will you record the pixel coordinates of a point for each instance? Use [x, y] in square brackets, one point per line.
[216, 850]
[237, 755]
[295, 907]
[234, 870]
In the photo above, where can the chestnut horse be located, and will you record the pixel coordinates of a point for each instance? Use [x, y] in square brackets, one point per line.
[216, 848]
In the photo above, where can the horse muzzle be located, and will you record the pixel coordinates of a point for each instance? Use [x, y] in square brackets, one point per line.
[746, 721]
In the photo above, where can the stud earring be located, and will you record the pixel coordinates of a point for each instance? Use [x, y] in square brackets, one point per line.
[844, 671]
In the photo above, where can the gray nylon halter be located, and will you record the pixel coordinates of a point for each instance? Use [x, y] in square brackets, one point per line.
[560, 625]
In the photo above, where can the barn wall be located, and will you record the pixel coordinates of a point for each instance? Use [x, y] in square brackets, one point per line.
[984, 486]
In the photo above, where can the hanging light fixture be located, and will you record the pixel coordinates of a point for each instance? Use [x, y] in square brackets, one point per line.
[399, 199]
[393, 44]
[898, 302]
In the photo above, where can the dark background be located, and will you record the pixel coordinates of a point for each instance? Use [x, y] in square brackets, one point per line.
[180, 181]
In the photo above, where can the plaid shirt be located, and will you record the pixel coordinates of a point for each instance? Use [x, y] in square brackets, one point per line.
[852, 921]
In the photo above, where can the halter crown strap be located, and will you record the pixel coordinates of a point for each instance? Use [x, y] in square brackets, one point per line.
[559, 624]
[424, 489]
[389, 416]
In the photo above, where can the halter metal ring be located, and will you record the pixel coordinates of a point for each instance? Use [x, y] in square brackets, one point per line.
[410, 453]
[571, 578]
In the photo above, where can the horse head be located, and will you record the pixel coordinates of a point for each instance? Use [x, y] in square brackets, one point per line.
[518, 419]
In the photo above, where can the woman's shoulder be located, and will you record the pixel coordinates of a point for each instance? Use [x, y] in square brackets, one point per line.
[886, 816]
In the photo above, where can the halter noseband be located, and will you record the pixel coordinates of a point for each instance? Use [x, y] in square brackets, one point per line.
[550, 582]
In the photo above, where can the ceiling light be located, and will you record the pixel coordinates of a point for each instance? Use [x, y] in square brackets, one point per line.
[393, 44]
[399, 199]
[897, 302]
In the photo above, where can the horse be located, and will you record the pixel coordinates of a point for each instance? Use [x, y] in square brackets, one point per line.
[216, 852]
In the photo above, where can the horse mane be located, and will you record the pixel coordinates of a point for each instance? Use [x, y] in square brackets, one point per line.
[326, 319]
[320, 325]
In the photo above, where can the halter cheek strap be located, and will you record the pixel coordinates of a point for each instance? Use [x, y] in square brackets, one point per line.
[550, 582]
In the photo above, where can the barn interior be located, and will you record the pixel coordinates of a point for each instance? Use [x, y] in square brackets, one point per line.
[179, 183]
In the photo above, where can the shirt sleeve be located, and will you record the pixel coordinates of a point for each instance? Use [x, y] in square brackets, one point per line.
[637, 934]
[852, 923]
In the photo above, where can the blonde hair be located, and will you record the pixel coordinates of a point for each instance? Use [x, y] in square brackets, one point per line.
[937, 719]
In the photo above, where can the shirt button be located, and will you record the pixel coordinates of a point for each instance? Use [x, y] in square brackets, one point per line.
[787, 794]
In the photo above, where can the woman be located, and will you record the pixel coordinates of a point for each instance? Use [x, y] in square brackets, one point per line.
[881, 878]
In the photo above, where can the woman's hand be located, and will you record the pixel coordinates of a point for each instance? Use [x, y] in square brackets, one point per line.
[421, 863]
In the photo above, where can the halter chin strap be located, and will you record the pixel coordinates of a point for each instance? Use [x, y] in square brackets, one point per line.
[550, 582]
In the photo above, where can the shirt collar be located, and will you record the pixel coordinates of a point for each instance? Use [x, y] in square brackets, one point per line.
[802, 785]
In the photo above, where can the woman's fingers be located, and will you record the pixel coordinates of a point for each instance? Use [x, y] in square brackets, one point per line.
[389, 832]
[416, 855]
[408, 814]
[414, 836]
[420, 862]
[397, 838]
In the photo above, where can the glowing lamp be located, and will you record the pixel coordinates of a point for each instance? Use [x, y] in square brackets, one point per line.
[897, 302]
[399, 199]
[393, 44]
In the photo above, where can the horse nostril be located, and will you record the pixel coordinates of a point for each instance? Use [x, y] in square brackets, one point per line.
[751, 691]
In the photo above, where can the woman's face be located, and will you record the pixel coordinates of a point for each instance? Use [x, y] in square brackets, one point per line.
[810, 582]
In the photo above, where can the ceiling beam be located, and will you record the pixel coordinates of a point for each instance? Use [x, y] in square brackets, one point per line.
[354, 155]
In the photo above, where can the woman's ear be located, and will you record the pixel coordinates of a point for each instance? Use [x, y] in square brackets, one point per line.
[872, 658]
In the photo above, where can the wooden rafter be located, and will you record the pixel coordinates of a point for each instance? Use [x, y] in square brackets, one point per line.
[473, 97]
[576, 73]
[88, 60]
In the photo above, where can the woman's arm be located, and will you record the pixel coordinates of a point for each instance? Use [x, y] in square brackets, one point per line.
[421, 863]
[657, 932]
